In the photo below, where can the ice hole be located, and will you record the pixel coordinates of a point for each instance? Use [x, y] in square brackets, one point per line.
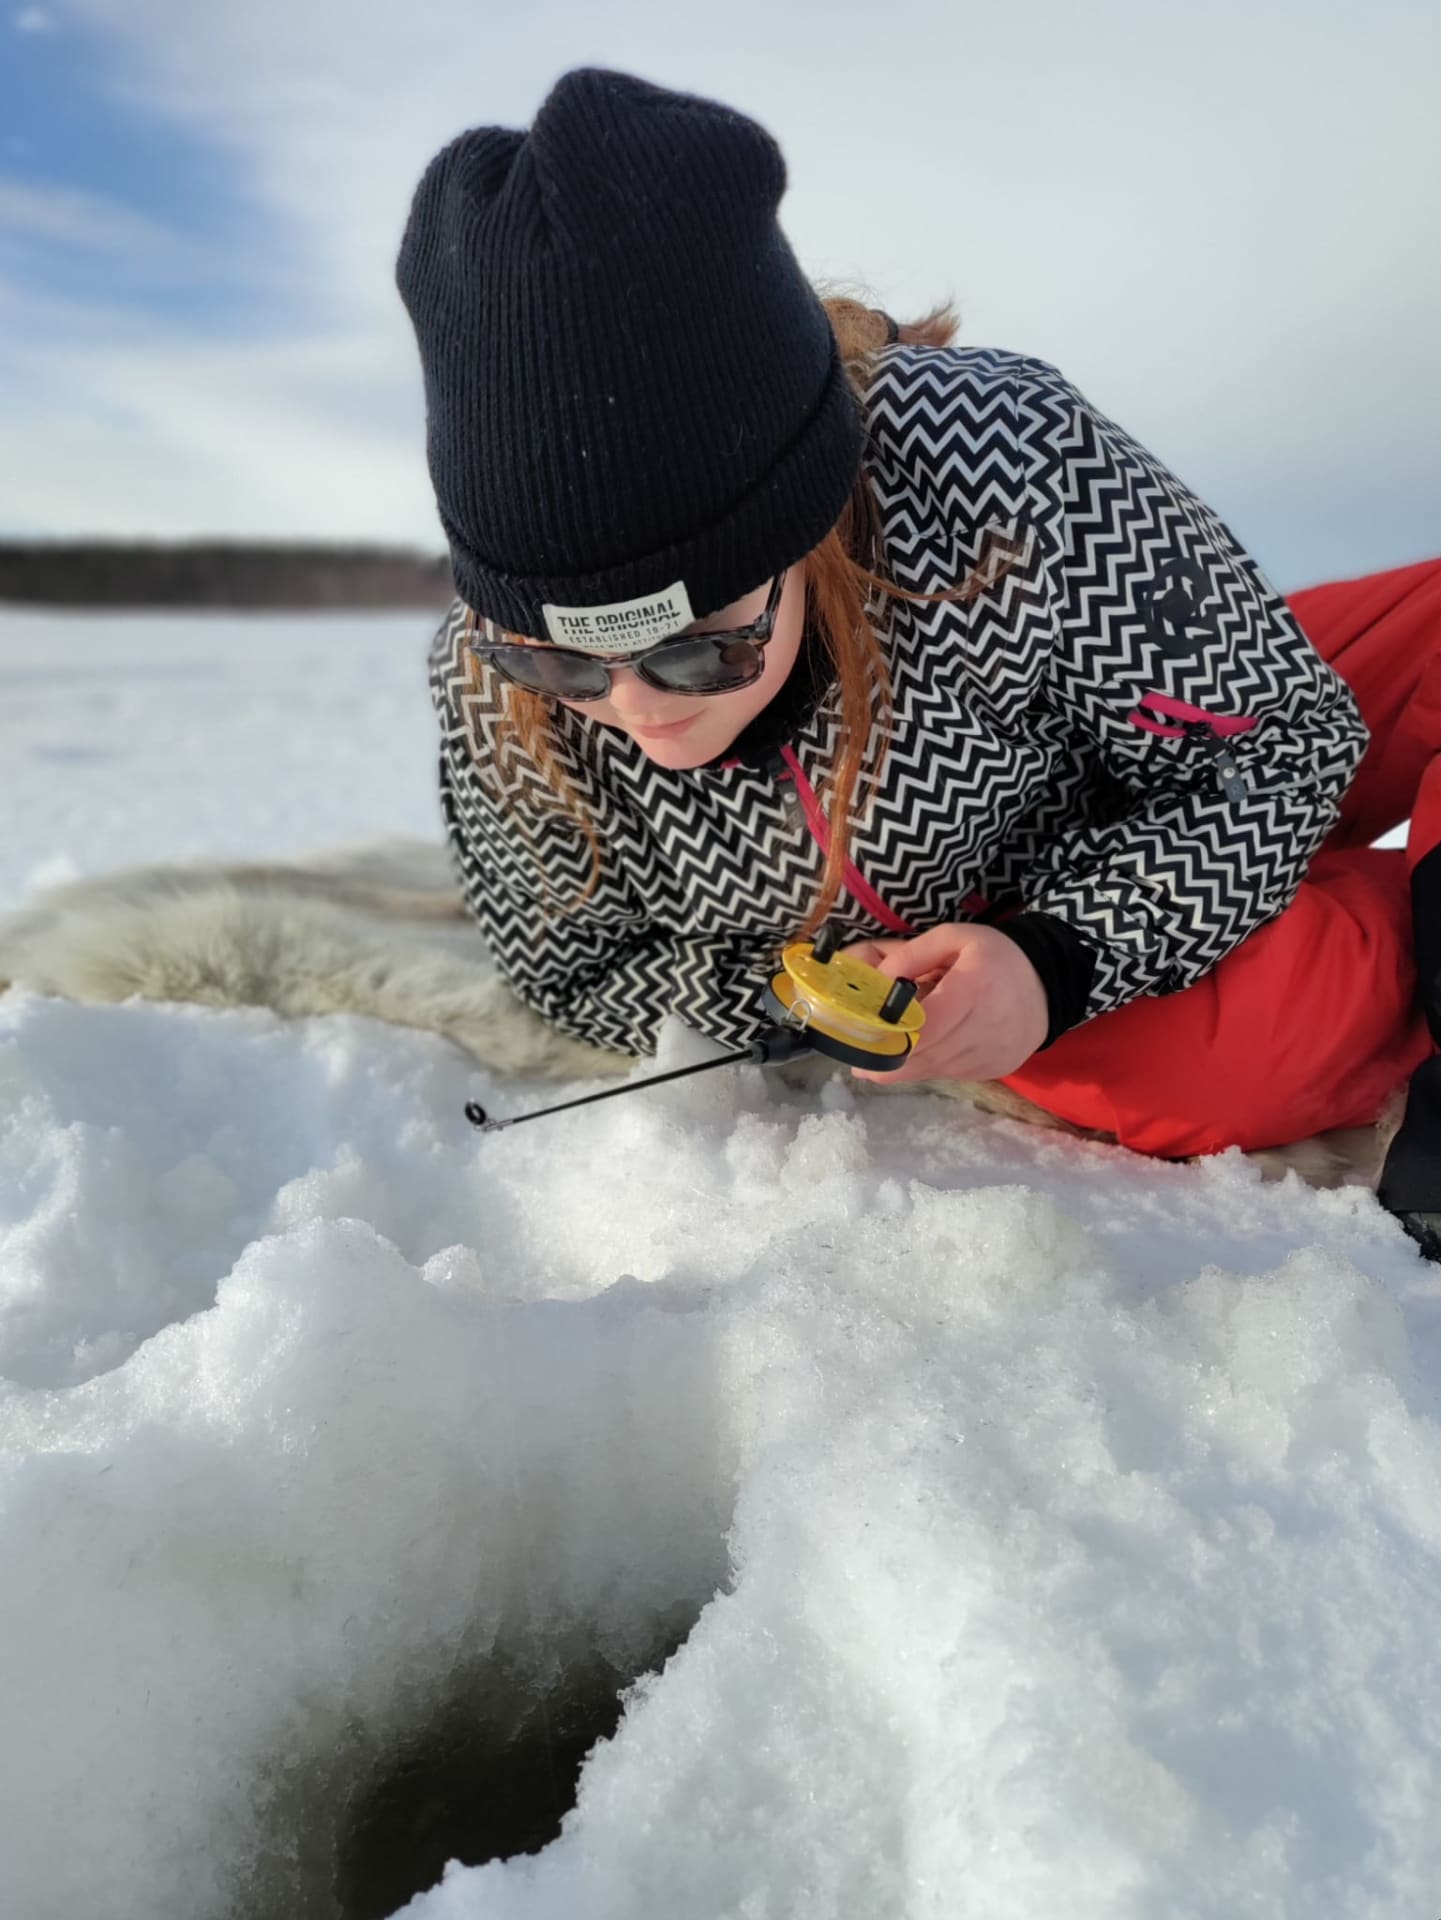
[486, 1773]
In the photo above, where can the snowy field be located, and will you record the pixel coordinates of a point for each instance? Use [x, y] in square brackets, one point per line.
[972, 1522]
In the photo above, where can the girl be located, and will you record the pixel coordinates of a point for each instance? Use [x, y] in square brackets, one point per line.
[771, 612]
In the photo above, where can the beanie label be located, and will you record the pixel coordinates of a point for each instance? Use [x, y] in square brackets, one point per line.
[620, 626]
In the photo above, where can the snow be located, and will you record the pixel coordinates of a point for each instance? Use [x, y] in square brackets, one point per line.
[976, 1520]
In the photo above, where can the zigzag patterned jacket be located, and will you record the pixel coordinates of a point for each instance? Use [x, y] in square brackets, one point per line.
[1123, 753]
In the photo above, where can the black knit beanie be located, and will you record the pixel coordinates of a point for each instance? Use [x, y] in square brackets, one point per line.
[635, 403]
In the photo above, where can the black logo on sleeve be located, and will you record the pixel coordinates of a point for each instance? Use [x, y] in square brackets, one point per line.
[1168, 608]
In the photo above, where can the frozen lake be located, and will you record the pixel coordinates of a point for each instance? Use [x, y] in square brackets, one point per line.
[901, 1512]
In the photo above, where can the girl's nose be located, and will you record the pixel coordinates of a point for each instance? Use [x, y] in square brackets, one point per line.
[632, 699]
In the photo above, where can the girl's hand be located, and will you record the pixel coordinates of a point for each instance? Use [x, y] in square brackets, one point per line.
[986, 1010]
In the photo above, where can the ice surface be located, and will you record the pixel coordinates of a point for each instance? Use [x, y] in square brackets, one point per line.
[1058, 1532]
[159, 736]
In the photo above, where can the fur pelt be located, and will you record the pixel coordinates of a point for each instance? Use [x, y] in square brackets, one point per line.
[378, 928]
[375, 928]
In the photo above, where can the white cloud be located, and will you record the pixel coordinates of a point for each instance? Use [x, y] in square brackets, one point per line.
[1213, 223]
[127, 430]
[125, 251]
[71, 217]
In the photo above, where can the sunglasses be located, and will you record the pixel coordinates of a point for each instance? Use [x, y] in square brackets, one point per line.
[699, 663]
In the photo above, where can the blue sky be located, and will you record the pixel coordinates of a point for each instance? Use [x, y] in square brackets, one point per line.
[104, 201]
[65, 129]
[1220, 223]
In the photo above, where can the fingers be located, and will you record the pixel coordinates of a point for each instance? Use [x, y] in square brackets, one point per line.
[985, 1006]
[927, 954]
[927, 983]
[952, 1039]
[874, 953]
[932, 952]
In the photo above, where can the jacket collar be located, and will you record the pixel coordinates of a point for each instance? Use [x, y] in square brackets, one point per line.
[784, 715]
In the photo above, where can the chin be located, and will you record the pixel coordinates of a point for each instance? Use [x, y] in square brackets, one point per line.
[686, 750]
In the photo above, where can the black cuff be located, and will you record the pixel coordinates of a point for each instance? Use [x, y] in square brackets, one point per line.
[1426, 926]
[1064, 959]
[1411, 1174]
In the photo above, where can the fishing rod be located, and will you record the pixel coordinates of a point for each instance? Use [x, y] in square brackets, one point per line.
[821, 1001]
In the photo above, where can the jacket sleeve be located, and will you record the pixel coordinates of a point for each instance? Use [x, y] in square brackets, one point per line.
[1180, 673]
[599, 968]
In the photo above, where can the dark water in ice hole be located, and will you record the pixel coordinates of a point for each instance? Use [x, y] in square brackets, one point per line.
[453, 1794]
[488, 1775]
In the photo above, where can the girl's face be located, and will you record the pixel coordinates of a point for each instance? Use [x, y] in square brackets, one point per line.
[682, 730]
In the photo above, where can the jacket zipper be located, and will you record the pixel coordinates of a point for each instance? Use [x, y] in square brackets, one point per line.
[1232, 780]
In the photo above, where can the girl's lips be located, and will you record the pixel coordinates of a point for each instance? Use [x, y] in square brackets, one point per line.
[664, 733]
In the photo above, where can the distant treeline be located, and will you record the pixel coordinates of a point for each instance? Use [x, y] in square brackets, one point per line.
[219, 573]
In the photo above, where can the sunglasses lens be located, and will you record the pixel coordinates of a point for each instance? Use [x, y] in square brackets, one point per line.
[559, 675]
[705, 664]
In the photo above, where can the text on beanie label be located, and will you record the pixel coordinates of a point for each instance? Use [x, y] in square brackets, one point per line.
[620, 626]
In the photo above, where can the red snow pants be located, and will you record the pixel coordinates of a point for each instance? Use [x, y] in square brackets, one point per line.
[1313, 1020]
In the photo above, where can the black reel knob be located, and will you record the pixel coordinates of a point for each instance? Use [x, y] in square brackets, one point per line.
[897, 1000]
[826, 944]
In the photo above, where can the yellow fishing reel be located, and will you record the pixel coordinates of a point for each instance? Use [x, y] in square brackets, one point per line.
[822, 1001]
[846, 1009]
